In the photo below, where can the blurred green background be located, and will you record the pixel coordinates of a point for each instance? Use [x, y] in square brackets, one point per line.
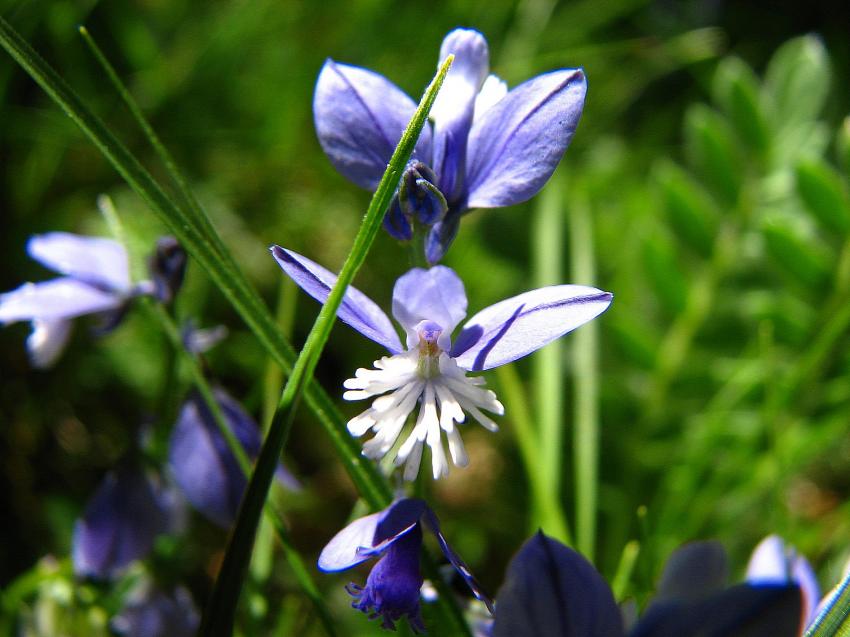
[714, 171]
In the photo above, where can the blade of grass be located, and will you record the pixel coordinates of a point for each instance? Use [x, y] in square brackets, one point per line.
[220, 613]
[586, 386]
[834, 619]
[547, 383]
[232, 283]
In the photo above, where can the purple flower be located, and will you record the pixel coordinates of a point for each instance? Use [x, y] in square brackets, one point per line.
[487, 147]
[432, 371]
[774, 561]
[120, 523]
[151, 612]
[167, 267]
[96, 281]
[552, 591]
[202, 464]
[393, 535]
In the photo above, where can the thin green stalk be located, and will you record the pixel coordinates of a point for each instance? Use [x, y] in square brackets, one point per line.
[159, 314]
[585, 385]
[547, 248]
[620, 583]
[231, 281]
[834, 619]
[220, 613]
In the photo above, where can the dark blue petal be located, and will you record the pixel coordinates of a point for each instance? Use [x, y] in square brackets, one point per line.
[745, 610]
[360, 117]
[119, 524]
[396, 222]
[694, 571]
[517, 143]
[154, 613]
[441, 236]
[203, 467]
[552, 591]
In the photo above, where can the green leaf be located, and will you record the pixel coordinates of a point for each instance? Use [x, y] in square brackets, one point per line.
[797, 256]
[824, 193]
[666, 274]
[713, 152]
[220, 613]
[834, 619]
[797, 81]
[690, 210]
[736, 90]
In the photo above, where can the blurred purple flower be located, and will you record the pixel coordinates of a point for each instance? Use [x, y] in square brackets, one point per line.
[774, 561]
[151, 612]
[122, 519]
[393, 535]
[487, 147]
[167, 266]
[552, 591]
[202, 464]
[96, 281]
[429, 305]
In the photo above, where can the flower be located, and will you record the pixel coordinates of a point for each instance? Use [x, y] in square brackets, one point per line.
[96, 281]
[151, 612]
[167, 267]
[429, 305]
[552, 591]
[775, 561]
[393, 535]
[122, 519]
[202, 464]
[487, 147]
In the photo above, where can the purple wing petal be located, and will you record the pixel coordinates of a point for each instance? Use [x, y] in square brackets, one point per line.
[119, 524]
[518, 326]
[99, 261]
[517, 143]
[453, 109]
[47, 341]
[550, 589]
[434, 525]
[360, 117]
[62, 298]
[694, 571]
[342, 551]
[357, 309]
[774, 562]
[436, 295]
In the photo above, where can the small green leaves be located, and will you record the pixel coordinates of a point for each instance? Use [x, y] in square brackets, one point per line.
[689, 208]
[736, 90]
[824, 194]
[798, 257]
[797, 81]
[712, 150]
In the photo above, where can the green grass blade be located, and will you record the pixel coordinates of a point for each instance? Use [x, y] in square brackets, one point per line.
[220, 613]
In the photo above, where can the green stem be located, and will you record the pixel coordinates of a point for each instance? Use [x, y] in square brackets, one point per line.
[586, 386]
[220, 613]
[547, 239]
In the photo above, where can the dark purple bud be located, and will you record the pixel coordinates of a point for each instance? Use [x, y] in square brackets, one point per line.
[552, 591]
[694, 571]
[421, 201]
[396, 223]
[153, 613]
[203, 466]
[167, 267]
[119, 524]
[392, 588]
[746, 609]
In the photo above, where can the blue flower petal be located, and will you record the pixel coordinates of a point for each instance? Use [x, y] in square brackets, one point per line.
[119, 525]
[360, 117]
[517, 143]
[436, 295]
[694, 571]
[357, 309]
[552, 591]
[522, 324]
[154, 613]
[98, 261]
